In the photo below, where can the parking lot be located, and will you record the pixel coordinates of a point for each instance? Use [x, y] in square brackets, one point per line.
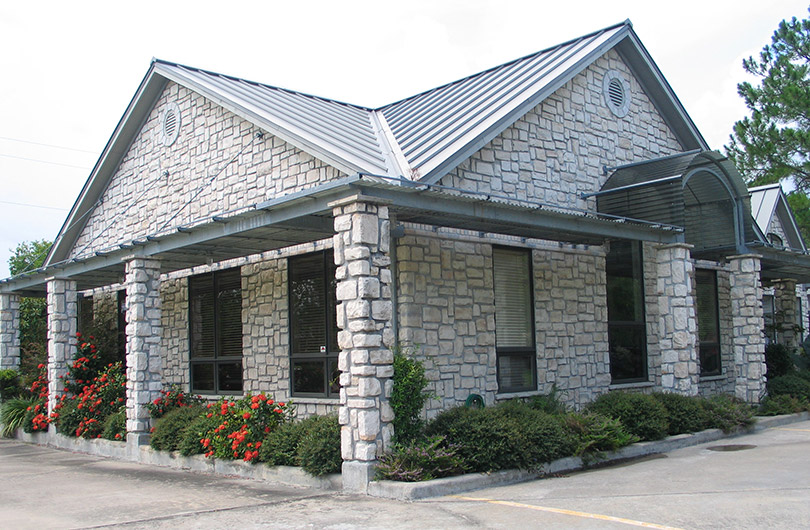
[753, 481]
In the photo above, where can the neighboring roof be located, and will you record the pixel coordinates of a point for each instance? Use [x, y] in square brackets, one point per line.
[420, 138]
[769, 201]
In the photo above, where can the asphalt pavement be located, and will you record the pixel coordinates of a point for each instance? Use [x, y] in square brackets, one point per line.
[759, 480]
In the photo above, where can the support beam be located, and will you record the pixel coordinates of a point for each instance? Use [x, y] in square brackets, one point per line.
[62, 323]
[677, 325]
[9, 331]
[748, 323]
[361, 248]
[143, 346]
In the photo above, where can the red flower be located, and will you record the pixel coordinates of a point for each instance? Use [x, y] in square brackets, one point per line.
[246, 415]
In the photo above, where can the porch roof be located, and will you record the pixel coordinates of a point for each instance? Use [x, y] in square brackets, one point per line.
[307, 216]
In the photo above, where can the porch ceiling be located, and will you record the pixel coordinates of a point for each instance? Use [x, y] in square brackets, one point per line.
[778, 264]
[307, 216]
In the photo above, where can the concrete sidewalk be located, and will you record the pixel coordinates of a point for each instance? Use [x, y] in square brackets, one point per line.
[759, 480]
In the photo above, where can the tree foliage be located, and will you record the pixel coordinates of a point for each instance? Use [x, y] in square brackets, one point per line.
[28, 256]
[773, 144]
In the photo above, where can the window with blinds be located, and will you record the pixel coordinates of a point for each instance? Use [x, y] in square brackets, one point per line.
[514, 320]
[708, 321]
[313, 328]
[215, 331]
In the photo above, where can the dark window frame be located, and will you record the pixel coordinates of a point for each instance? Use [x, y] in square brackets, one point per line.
[218, 360]
[638, 326]
[704, 347]
[327, 355]
[530, 351]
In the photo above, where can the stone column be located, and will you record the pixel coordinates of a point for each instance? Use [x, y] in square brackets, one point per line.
[677, 326]
[748, 323]
[364, 318]
[62, 323]
[143, 345]
[784, 296]
[9, 331]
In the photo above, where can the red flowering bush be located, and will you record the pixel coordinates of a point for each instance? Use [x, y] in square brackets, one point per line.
[87, 363]
[84, 413]
[172, 399]
[242, 425]
[36, 417]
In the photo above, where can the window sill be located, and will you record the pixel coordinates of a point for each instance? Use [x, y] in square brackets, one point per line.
[521, 394]
[315, 401]
[638, 384]
[719, 377]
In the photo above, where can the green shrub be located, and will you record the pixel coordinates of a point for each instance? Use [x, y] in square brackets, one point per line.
[115, 426]
[422, 460]
[791, 385]
[36, 416]
[13, 413]
[169, 429]
[319, 450]
[196, 430]
[778, 360]
[550, 403]
[171, 399]
[9, 384]
[280, 446]
[594, 434]
[784, 404]
[408, 397]
[641, 414]
[508, 436]
[684, 413]
[804, 374]
[727, 413]
[69, 418]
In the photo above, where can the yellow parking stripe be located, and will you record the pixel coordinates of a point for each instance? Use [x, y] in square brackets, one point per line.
[568, 512]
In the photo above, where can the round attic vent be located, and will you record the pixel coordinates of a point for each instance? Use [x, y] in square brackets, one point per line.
[170, 124]
[617, 93]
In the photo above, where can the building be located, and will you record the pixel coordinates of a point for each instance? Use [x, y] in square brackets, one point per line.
[556, 221]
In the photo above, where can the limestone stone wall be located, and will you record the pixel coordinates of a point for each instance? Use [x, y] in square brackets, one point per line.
[9, 331]
[571, 323]
[652, 316]
[558, 149]
[217, 164]
[445, 306]
[174, 324]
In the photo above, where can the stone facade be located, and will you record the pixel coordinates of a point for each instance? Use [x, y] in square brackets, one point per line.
[676, 320]
[143, 341]
[364, 312]
[9, 331]
[748, 322]
[62, 321]
[785, 312]
[216, 166]
[558, 149]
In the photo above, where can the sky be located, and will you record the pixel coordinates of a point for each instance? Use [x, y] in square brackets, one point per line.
[71, 68]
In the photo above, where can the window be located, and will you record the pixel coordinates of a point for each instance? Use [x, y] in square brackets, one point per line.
[215, 332]
[313, 329]
[514, 320]
[627, 333]
[768, 311]
[708, 321]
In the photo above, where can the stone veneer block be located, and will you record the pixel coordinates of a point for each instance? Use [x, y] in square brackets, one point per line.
[9, 331]
[62, 322]
[748, 322]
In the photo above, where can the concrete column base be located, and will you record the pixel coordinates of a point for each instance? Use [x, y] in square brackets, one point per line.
[357, 475]
[134, 442]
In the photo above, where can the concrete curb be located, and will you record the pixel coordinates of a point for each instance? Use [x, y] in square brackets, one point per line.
[452, 485]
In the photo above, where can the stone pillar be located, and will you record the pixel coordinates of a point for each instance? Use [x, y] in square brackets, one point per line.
[677, 326]
[366, 337]
[9, 331]
[784, 297]
[748, 323]
[143, 345]
[62, 323]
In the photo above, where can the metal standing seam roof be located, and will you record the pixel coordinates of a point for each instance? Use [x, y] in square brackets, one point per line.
[433, 125]
[763, 204]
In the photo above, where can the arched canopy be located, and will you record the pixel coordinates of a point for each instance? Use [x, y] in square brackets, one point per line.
[698, 190]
